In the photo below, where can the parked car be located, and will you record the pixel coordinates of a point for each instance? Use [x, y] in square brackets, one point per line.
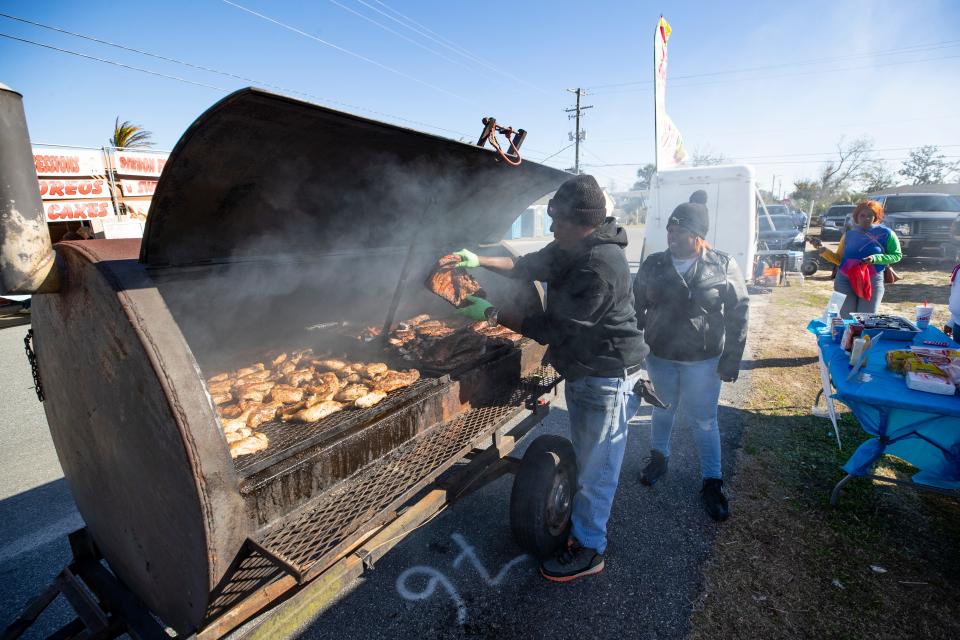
[832, 225]
[951, 248]
[783, 235]
[920, 220]
[776, 210]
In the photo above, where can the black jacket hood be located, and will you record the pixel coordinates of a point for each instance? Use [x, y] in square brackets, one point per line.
[609, 232]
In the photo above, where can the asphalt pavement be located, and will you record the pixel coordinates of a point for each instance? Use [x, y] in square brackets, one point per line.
[459, 575]
[36, 509]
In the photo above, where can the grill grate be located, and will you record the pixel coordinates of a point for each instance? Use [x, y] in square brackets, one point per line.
[254, 571]
[290, 438]
[310, 541]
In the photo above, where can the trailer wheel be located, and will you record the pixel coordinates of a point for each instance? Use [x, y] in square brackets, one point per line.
[809, 267]
[542, 496]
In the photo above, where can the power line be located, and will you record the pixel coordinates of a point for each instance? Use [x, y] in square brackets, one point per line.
[343, 50]
[444, 42]
[781, 75]
[113, 62]
[399, 35]
[552, 155]
[911, 49]
[209, 70]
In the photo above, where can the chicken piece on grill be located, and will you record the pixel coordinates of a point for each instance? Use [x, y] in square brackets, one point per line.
[400, 337]
[220, 377]
[453, 283]
[423, 317]
[239, 434]
[278, 360]
[350, 369]
[353, 378]
[287, 367]
[230, 411]
[219, 388]
[233, 424]
[368, 400]
[257, 367]
[221, 398]
[393, 380]
[256, 376]
[325, 386]
[330, 364]
[318, 411]
[255, 391]
[286, 393]
[435, 332]
[298, 377]
[263, 412]
[351, 392]
[375, 369]
[251, 444]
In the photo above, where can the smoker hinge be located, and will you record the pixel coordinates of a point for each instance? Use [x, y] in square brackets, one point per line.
[32, 359]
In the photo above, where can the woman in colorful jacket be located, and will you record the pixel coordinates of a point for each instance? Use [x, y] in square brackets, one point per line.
[867, 243]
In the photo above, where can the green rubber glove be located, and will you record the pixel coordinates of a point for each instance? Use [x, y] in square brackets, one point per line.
[476, 310]
[468, 259]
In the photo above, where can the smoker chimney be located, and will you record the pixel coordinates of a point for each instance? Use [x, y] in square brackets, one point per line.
[26, 254]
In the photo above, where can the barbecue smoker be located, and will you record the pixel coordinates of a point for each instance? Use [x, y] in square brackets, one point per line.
[275, 225]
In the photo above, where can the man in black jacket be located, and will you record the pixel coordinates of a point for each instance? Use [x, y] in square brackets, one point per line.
[692, 305]
[591, 329]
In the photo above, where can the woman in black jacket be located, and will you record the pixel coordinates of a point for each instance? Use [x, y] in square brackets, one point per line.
[692, 304]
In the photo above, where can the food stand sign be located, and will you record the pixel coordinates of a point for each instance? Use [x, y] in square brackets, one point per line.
[68, 162]
[65, 211]
[138, 187]
[134, 163]
[65, 189]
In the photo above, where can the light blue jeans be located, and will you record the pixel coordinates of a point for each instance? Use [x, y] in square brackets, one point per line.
[599, 409]
[696, 387]
[854, 304]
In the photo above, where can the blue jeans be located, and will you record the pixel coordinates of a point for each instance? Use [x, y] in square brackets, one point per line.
[853, 304]
[599, 409]
[696, 387]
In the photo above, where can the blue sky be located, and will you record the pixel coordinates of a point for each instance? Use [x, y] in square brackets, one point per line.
[774, 84]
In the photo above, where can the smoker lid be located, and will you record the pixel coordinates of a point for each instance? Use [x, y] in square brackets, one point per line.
[262, 175]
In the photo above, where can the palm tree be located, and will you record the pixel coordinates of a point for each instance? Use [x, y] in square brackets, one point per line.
[130, 136]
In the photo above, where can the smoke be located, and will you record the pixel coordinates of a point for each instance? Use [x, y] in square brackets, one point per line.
[306, 226]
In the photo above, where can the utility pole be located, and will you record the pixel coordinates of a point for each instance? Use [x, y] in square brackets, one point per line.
[578, 134]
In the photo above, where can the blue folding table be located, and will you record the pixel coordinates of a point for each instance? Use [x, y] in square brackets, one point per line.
[921, 428]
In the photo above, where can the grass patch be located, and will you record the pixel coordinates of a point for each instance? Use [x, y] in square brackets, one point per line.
[788, 564]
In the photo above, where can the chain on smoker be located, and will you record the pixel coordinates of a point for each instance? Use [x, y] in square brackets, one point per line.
[32, 359]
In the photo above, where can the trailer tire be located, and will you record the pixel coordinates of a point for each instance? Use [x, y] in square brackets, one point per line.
[542, 498]
[809, 267]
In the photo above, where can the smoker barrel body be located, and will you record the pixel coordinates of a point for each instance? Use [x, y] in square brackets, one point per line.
[135, 431]
[271, 215]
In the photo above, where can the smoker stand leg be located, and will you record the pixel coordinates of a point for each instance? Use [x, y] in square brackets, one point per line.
[37, 606]
[104, 607]
[835, 494]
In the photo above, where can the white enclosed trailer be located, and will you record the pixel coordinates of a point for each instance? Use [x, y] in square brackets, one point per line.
[731, 200]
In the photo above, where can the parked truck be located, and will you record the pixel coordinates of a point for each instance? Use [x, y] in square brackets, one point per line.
[731, 200]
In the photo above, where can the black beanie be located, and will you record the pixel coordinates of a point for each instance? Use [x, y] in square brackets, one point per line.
[691, 216]
[699, 196]
[579, 200]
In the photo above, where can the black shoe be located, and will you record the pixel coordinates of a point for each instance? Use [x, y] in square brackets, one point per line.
[713, 499]
[572, 562]
[656, 467]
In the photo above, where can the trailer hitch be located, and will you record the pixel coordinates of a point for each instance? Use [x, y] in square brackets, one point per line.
[514, 137]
